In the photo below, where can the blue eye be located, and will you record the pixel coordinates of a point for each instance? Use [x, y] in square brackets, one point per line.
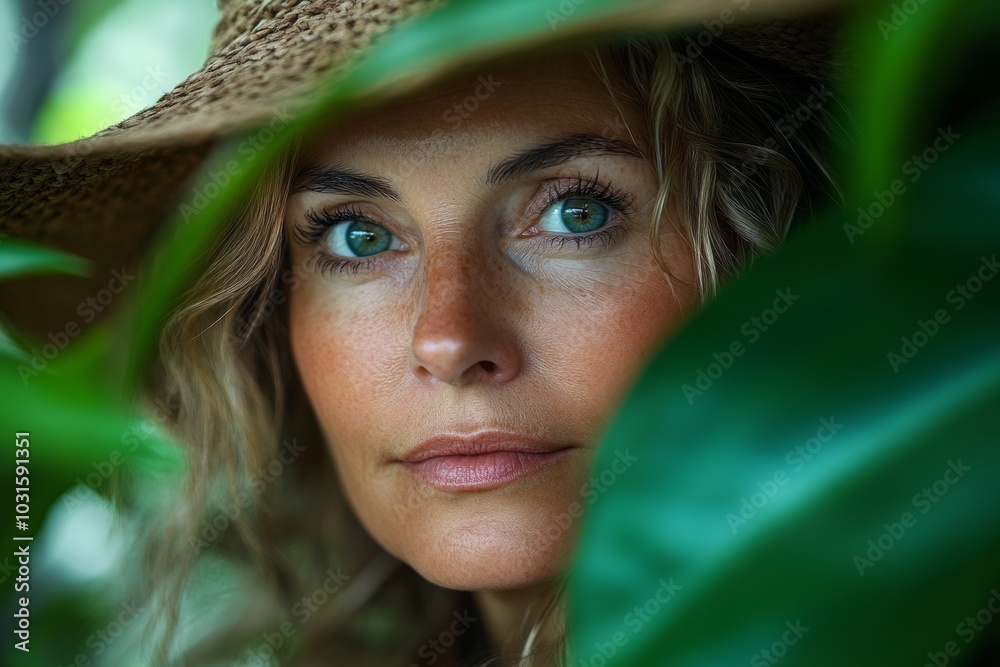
[575, 215]
[359, 238]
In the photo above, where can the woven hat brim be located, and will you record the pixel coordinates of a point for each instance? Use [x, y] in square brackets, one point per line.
[102, 197]
[277, 67]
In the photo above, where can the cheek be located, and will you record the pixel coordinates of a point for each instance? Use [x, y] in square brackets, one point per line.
[593, 342]
[346, 353]
[346, 350]
[585, 329]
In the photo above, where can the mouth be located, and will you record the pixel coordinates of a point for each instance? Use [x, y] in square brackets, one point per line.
[480, 462]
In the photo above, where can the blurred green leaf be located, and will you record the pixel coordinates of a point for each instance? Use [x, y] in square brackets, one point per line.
[19, 258]
[688, 521]
[453, 37]
[744, 499]
[74, 421]
[824, 492]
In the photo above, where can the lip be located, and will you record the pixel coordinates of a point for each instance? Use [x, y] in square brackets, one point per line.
[480, 462]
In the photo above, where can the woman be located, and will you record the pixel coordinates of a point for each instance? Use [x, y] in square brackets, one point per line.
[465, 308]
[397, 360]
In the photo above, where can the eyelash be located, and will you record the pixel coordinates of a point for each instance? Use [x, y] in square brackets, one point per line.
[592, 188]
[605, 193]
[319, 223]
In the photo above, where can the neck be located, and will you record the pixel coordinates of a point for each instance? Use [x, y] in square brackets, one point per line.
[504, 614]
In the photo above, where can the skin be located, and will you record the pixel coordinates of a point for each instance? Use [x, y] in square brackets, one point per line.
[474, 321]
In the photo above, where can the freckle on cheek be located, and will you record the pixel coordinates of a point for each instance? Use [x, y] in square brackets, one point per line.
[580, 326]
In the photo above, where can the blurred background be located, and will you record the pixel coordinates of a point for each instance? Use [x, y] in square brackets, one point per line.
[68, 69]
[73, 67]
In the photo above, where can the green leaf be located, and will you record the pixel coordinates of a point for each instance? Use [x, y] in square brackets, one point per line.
[816, 452]
[455, 36]
[829, 439]
[20, 258]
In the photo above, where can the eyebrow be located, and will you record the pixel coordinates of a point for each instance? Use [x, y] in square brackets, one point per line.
[556, 153]
[345, 181]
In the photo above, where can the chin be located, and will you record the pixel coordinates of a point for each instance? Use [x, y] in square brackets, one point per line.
[511, 537]
[492, 553]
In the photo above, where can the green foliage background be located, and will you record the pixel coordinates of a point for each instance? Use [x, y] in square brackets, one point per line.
[794, 557]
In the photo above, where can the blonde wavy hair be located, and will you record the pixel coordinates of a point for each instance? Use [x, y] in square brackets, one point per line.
[729, 168]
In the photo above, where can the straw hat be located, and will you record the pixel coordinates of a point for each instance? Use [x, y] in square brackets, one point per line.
[102, 197]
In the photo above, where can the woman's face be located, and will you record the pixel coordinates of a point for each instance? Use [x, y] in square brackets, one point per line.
[477, 292]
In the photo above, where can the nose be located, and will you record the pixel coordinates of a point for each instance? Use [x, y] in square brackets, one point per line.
[461, 335]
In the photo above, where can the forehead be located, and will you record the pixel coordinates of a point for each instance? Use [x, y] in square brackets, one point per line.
[542, 97]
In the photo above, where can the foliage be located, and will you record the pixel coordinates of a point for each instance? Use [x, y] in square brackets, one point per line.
[880, 366]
